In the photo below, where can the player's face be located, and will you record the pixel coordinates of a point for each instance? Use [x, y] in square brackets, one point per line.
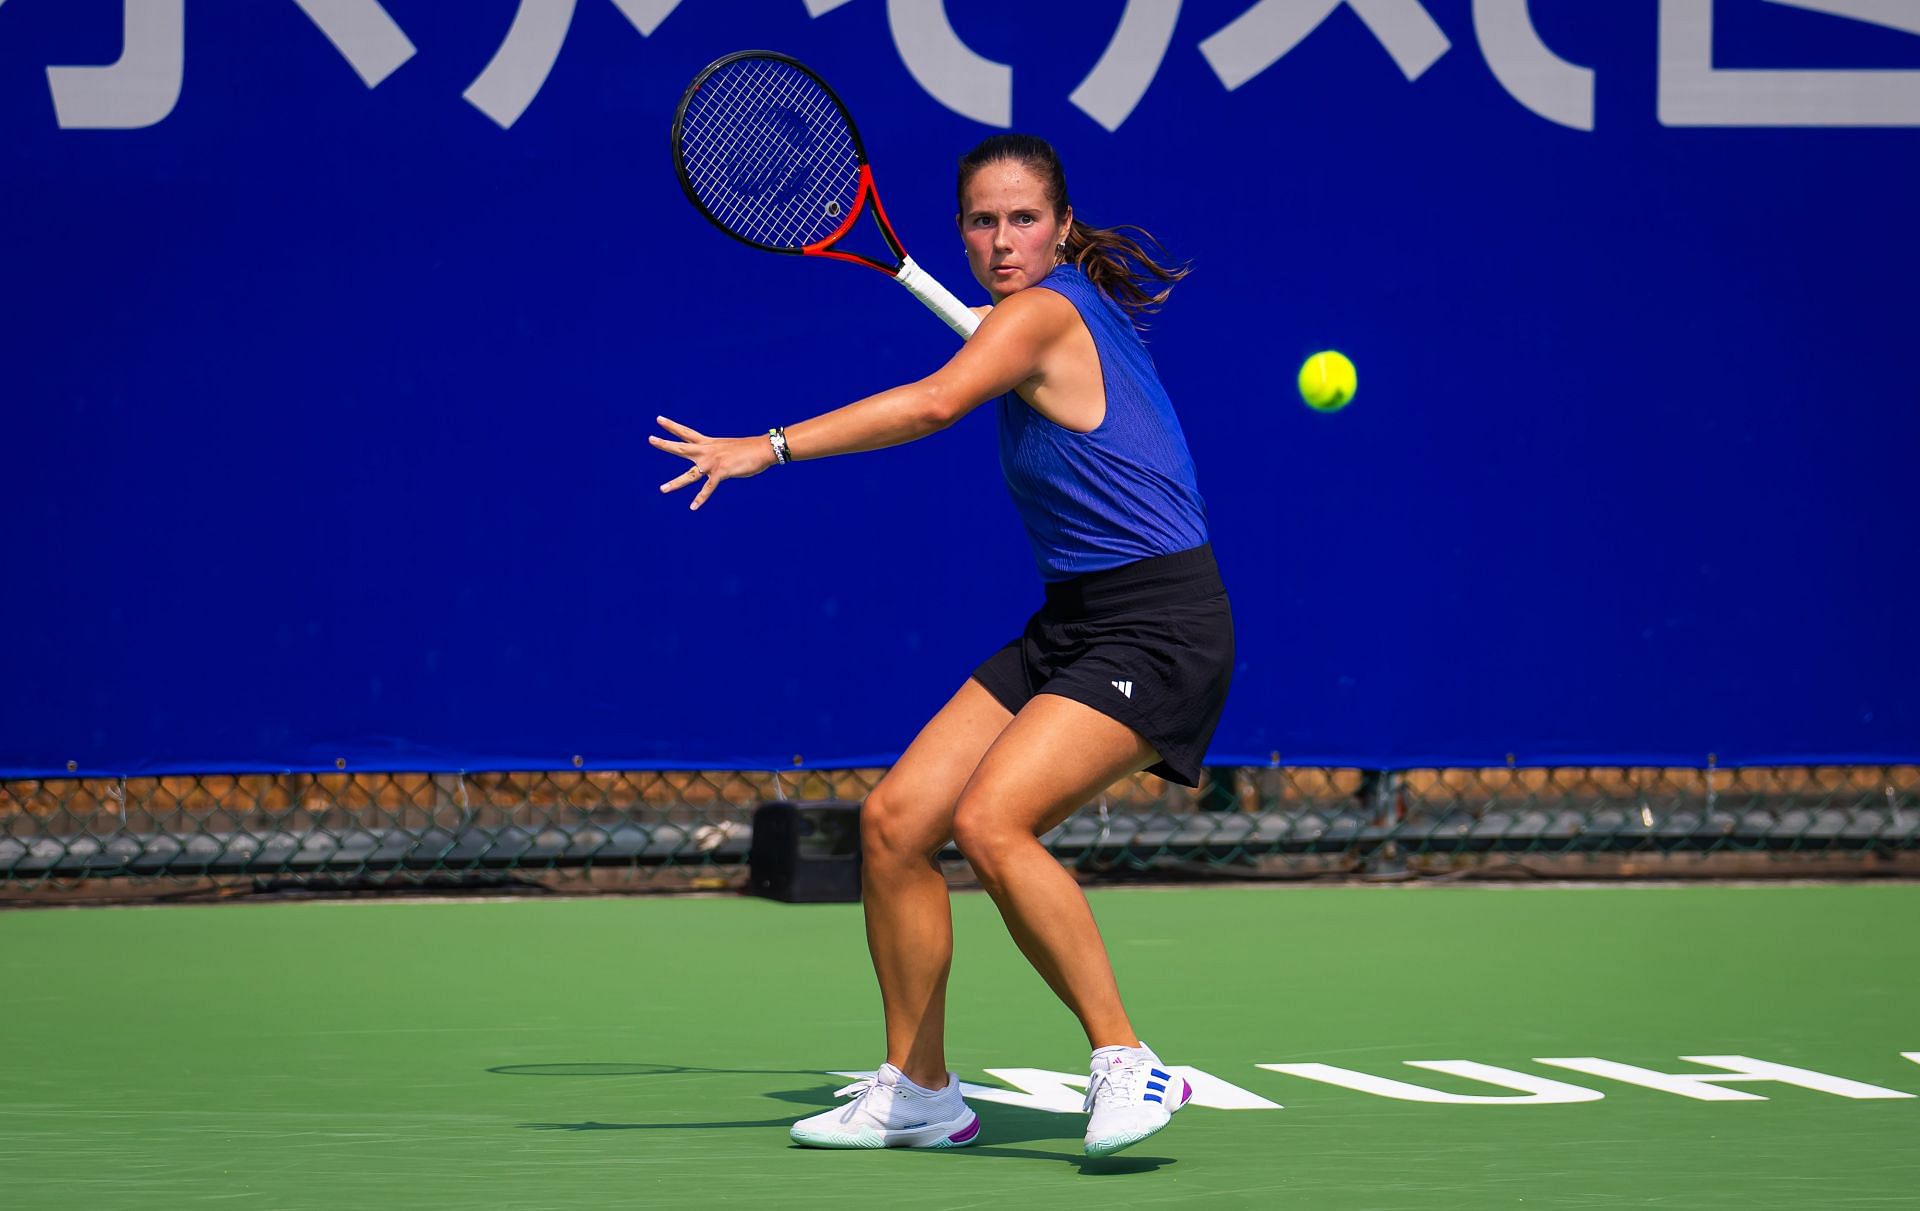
[1011, 232]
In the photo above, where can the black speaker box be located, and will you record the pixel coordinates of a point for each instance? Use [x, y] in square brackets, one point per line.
[805, 852]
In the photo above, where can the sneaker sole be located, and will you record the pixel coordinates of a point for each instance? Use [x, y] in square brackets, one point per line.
[956, 1134]
[1114, 1143]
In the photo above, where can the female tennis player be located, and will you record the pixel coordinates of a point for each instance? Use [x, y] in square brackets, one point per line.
[1125, 667]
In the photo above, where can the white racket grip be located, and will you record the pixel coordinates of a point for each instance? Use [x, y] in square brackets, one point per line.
[938, 298]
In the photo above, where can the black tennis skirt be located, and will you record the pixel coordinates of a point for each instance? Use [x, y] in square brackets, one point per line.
[1149, 644]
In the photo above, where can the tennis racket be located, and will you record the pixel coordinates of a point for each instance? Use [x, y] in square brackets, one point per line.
[766, 151]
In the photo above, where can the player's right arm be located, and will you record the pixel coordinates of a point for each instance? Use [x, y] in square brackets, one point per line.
[1011, 347]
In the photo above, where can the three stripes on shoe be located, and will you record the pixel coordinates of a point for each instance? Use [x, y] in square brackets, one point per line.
[1156, 1085]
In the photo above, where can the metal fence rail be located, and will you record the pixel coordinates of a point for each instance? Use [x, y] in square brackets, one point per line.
[679, 829]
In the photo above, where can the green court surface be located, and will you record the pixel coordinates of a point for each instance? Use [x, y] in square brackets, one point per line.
[650, 1052]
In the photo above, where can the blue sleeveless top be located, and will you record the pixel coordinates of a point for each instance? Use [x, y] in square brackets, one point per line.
[1122, 493]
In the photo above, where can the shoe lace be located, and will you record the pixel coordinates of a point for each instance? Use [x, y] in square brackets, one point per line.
[856, 1090]
[1110, 1086]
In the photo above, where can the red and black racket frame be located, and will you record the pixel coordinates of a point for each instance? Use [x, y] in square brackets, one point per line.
[865, 195]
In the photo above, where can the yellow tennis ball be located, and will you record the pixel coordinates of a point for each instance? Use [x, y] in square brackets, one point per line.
[1328, 381]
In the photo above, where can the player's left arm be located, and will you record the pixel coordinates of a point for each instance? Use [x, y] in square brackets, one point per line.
[1011, 346]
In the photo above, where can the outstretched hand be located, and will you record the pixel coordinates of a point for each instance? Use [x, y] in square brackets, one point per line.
[713, 458]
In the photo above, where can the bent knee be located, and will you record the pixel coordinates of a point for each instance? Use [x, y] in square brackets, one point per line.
[894, 825]
[983, 839]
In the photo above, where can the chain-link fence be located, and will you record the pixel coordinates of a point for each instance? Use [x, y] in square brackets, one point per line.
[677, 829]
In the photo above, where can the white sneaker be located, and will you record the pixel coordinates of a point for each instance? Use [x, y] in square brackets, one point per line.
[889, 1111]
[1130, 1095]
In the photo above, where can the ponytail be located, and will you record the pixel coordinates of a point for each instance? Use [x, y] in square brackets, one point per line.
[1124, 268]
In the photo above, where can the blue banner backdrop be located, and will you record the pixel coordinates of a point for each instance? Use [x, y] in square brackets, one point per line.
[334, 332]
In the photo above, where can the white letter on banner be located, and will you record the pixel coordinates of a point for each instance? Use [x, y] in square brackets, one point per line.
[514, 76]
[1694, 93]
[1130, 62]
[1705, 1087]
[364, 33]
[968, 84]
[1535, 1090]
[1531, 73]
[139, 90]
[519, 69]
[646, 15]
[1262, 36]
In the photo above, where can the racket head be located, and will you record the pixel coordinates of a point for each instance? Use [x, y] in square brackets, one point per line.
[767, 151]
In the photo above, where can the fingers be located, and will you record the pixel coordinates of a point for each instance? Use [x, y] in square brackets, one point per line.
[689, 476]
[687, 449]
[680, 430]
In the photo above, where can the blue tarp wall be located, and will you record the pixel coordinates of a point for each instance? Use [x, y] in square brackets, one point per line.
[334, 330]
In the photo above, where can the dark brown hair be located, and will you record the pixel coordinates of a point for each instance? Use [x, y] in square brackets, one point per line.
[1126, 269]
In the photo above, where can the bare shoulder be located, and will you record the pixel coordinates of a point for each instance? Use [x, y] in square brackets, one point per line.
[1041, 312]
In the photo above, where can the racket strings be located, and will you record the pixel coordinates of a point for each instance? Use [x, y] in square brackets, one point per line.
[774, 139]
[769, 154]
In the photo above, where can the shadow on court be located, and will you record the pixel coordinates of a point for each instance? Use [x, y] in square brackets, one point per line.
[640, 1069]
[1104, 1166]
[999, 1125]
